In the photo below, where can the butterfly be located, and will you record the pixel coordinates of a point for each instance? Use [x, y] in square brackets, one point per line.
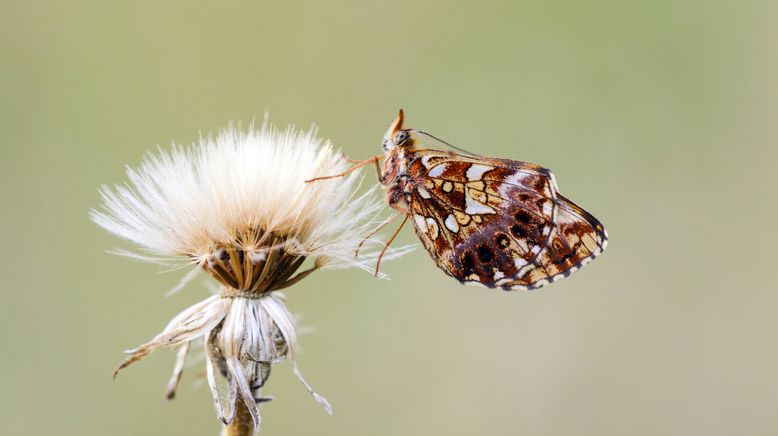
[489, 221]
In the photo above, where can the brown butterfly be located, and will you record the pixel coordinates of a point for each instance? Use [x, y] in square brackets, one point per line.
[495, 222]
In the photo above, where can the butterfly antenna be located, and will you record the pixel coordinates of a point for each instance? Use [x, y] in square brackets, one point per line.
[446, 143]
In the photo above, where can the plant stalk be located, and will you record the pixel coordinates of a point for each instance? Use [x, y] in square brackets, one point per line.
[242, 425]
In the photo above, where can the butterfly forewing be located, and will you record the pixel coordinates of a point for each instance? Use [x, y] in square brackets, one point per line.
[498, 222]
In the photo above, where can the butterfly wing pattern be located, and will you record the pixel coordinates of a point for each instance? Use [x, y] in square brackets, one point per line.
[497, 222]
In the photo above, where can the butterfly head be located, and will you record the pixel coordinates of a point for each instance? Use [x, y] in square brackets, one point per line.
[396, 136]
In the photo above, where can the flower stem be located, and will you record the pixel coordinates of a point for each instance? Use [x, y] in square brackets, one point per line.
[242, 425]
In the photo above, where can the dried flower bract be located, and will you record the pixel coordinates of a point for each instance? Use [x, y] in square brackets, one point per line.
[237, 207]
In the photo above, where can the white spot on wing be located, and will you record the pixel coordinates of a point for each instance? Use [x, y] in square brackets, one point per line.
[473, 207]
[432, 228]
[476, 171]
[420, 223]
[524, 270]
[425, 160]
[516, 178]
[451, 223]
[437, 170]
[423, 192]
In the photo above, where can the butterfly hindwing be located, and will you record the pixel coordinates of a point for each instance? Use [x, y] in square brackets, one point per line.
[577, 238]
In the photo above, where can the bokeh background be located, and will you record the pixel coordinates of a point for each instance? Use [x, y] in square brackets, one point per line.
[657, 116]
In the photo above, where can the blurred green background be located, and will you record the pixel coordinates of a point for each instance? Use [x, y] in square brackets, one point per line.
[657, 116]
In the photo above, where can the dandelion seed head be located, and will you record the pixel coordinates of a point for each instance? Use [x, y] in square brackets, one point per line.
[237, 206]
[241, 189]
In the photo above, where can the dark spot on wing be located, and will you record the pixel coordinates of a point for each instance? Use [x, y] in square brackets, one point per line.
[485, 254]
[468, 264]
[523, 217]
[502, 240]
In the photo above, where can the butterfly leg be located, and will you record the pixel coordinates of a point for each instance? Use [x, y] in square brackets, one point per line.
[356, 165]
[377, 166]
[389, 242]
[373, 232]
[356, 161]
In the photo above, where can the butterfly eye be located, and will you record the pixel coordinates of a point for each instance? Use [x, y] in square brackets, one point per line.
[400, 137]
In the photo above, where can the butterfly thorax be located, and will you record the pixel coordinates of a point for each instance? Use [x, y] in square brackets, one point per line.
[395, 175]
